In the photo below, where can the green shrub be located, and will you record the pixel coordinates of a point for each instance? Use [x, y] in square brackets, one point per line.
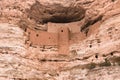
[91, 65]
[106, 63]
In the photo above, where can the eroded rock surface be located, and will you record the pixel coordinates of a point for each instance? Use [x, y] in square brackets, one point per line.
[12, 39]
[55, 13]
[96, 57]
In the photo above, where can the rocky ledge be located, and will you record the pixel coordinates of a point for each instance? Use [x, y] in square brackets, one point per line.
[96, 57]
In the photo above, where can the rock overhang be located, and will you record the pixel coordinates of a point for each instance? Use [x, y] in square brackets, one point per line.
[55, 13]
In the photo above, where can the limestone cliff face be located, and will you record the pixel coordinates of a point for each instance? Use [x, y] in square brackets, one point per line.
[94, 57]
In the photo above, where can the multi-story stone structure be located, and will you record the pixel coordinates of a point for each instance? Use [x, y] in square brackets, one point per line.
[60, 35]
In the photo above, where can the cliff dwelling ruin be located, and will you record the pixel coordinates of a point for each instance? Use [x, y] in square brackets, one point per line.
[58, 34]
[59, 39]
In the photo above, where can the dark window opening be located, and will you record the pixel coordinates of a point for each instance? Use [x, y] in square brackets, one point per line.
[90, 45]
[25, 29]
[111, 53]
[37, 35]
[30, 44]
[43, 50]
[96, 56]
[61, 30]
[30, 17]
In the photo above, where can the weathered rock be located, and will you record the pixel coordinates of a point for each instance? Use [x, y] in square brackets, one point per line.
[12, 39]
[97, 56]
[55, 13]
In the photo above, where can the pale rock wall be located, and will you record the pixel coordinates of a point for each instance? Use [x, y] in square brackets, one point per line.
[96, 57]
[12, 39]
